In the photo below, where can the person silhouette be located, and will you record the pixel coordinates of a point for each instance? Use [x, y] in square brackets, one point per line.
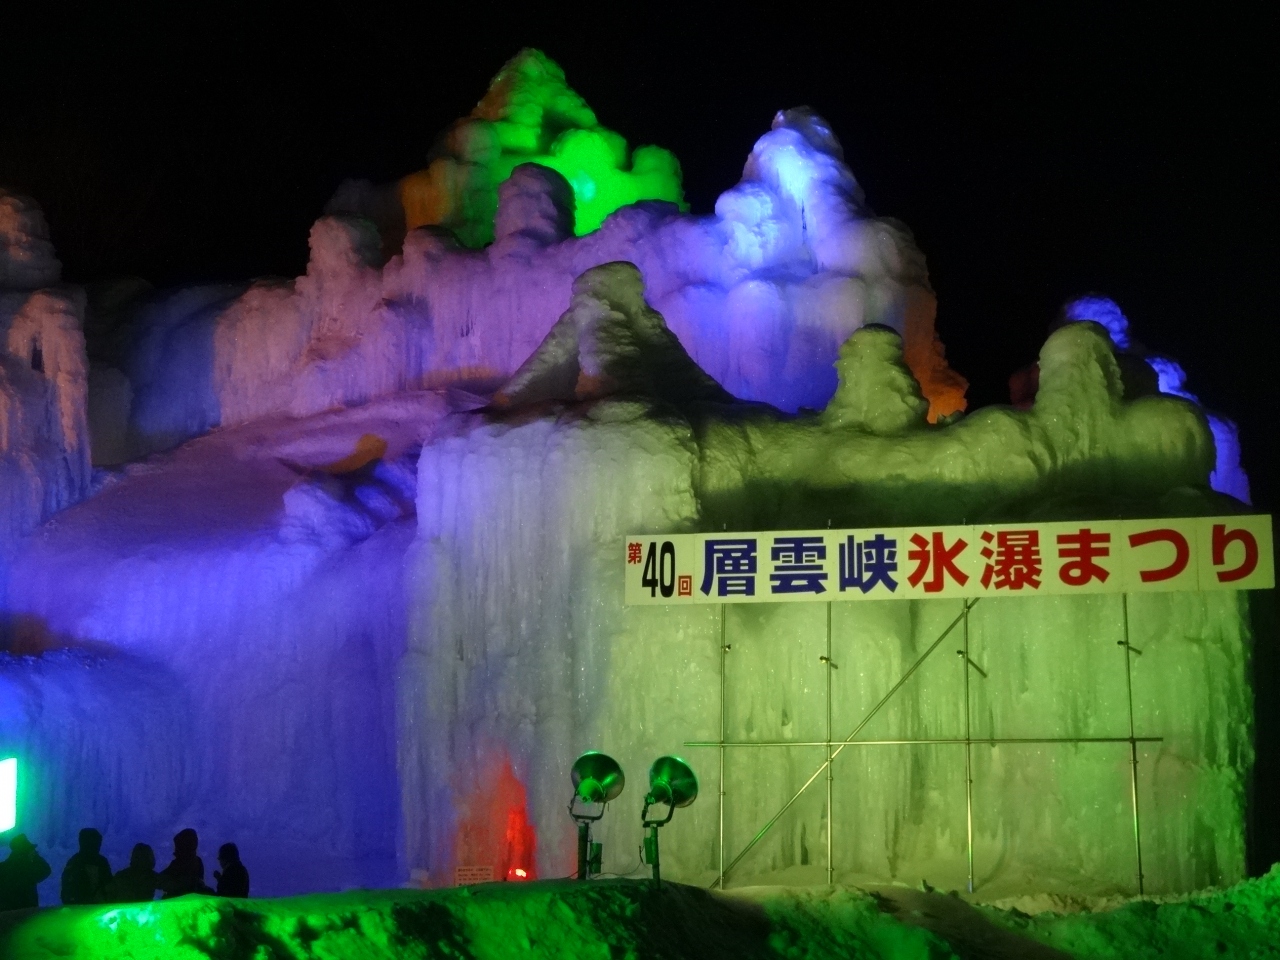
[139, 880]
[185, 873]
[87, 873]
[233, 878]
[19, 874]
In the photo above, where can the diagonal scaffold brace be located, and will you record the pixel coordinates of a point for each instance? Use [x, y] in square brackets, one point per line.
[969, 605]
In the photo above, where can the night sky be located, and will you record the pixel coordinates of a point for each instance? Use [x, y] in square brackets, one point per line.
[1035, 156]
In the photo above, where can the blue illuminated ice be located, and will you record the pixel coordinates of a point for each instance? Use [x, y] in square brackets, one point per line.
[1228, 473]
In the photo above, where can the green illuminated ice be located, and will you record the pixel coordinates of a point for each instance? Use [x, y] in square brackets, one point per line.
[610, 430]
[531, 115]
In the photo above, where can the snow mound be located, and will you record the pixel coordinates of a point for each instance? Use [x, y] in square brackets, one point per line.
[632, 919]
[552, 920]
[1241, 921]
[1147, 373]
[609, 342]
[877, 392]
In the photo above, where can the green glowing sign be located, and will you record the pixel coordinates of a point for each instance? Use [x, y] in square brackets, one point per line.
[8, 794]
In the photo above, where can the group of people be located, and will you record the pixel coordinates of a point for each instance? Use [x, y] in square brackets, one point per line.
[87, 877]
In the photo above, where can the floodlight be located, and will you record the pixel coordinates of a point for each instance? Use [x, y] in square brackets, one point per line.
[8, 794]
[597, 779]
[671, 783]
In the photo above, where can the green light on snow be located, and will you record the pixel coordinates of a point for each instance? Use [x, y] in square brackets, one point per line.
[8, 794]
[595, 163]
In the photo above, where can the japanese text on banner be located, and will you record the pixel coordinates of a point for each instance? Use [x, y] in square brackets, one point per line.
[1104, 556]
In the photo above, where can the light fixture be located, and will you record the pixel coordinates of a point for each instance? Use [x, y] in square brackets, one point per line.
[671, 782]
[597, 779]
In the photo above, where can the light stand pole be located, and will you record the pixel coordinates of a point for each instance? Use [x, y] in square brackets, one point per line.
[673, 784]
[651, 855]
[597, 779]
[589, 853]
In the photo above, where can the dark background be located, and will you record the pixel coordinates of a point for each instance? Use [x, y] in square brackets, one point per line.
[1036, 156]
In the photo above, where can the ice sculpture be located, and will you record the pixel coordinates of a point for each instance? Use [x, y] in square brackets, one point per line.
[44, 437]
[762, 293]
[265, 637]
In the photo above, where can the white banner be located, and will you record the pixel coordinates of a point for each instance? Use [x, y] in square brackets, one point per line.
[922, 562]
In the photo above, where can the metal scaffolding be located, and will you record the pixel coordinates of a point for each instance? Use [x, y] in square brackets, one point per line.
[833, 748]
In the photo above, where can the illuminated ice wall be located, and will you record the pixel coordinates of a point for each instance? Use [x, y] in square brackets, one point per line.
[212, 640]
[363, 627]
[762, 292]
[521, 648]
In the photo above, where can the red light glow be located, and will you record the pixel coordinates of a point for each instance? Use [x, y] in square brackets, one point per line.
[495, 828]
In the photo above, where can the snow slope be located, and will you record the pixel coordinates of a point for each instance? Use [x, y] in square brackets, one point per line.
[211, 641]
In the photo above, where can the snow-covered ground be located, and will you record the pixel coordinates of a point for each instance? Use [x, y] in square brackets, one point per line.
[632, 919]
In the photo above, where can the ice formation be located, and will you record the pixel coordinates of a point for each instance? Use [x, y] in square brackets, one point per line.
[365, 626]
[44, 436]
[1228, 474]
[529, 115]
[216, 636]
[762, 293]
[521, 651]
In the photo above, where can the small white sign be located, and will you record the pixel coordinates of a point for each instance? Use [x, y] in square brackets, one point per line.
[465, 876]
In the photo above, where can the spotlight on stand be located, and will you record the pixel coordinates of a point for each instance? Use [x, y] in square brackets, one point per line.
[597, 779]
[672, 783]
